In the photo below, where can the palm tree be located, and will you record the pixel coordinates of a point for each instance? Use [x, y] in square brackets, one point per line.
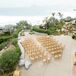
[50, 22]
[60, 15]
[53, 14]
[61, 22]
[45, 21]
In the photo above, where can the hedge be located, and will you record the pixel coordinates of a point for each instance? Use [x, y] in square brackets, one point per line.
[73, 37]
[38, 30]
[4, 38]
[14, 41]
[48, 31]
[2, 45]
[9, 59]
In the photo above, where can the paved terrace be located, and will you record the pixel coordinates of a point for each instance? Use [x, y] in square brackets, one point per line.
[62, 67]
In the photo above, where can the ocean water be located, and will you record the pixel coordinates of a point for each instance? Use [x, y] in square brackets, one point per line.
[34, 20]
[5, 20]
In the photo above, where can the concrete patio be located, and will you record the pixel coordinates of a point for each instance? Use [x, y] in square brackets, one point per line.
[62, 67]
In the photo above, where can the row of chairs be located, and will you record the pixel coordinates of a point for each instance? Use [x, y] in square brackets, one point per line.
[51, 45]
[34, 51]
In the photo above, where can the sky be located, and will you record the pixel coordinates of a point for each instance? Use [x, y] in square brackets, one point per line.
[34, 11]
[36, 7]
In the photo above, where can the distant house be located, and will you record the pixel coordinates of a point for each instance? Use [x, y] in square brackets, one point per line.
[70, 26]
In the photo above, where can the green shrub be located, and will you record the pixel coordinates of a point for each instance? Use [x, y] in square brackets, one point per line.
[53, 32]
[48, 32]
[9, 59]
[15, 35]
[4, 34]
[4, 38]
[18, 50]
[7, 33]
[74, 36]
[39, 30]
[2, 45]
[14, 41]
